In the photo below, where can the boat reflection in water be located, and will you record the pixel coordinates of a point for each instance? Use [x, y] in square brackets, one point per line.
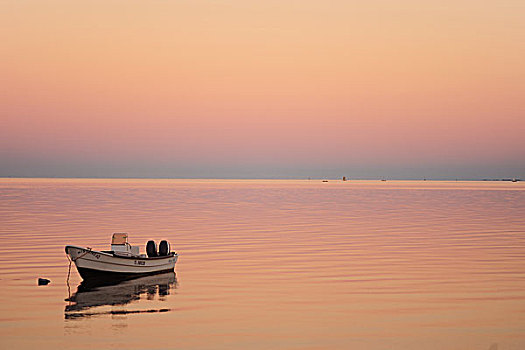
[91, 295]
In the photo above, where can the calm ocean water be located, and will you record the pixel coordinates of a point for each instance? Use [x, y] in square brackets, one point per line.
[269, 264]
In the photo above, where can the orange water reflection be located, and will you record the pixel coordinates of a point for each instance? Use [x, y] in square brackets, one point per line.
[274, 264]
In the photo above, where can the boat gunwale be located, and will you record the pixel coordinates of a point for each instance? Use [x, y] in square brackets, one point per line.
[113, 255]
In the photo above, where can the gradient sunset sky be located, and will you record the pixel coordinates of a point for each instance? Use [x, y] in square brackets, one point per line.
[262, 89]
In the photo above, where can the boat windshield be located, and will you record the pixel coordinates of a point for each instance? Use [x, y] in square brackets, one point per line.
[119, 238]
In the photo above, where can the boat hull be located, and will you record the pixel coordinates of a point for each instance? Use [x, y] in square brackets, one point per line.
[96, 265]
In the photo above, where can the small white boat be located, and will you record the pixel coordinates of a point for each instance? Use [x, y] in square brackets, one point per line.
[123, 261]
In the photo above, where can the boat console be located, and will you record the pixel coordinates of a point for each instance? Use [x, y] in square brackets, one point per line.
[120, 245]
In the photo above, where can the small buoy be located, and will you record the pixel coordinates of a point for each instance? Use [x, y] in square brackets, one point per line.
[43, 281]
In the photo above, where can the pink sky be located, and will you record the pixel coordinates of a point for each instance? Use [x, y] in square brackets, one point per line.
[270, 88]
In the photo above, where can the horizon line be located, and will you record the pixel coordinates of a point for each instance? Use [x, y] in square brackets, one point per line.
[262, 178]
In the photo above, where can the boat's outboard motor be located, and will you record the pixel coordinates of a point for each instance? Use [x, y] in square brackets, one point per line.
[151, 249]
[164, 248]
